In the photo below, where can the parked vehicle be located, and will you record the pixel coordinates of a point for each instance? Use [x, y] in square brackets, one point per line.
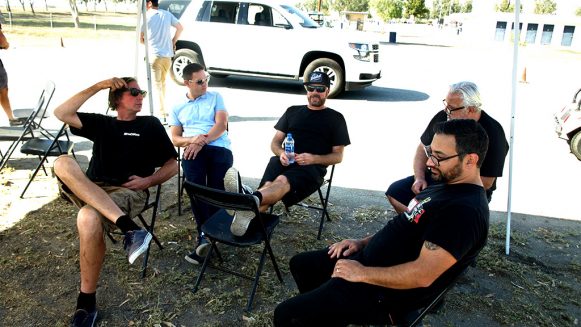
[569, 124]
[272, 39]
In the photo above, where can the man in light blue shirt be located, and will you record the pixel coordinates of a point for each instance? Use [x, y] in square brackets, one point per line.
[161, 45]
[199, 126]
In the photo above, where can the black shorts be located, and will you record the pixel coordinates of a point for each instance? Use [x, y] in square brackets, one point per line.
[303, 180]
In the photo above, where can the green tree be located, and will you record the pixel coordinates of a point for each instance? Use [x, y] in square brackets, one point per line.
[416, 8]
[545, 7]
[578, 11]
[506, 6]
[467, 7]
[350, 5]
[387, 9]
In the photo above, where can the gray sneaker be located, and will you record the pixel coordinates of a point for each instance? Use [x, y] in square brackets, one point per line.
[242, 220]
[232, 181]
[135, 243]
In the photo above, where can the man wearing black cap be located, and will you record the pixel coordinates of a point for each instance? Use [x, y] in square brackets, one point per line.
[320, 135]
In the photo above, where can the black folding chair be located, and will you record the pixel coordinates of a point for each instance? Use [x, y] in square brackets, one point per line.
[324, 200]
[217, 229]
[47, 146]
[30, 129]
[181, 180]
[414, 317]
[154, 207]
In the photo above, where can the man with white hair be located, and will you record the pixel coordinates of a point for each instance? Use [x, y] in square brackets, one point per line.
[463, 101]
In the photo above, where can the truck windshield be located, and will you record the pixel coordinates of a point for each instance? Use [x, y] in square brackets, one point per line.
[303, 18]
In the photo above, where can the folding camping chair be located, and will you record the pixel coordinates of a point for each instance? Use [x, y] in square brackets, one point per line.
[47, 146]
[217, 229]
[154, 207]
[30, 129]
[324, 201]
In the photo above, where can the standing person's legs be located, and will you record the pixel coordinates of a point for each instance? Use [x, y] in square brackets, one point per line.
[160, 67]
[4, 100]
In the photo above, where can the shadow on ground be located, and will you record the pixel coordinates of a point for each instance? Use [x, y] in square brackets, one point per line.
[537, 285]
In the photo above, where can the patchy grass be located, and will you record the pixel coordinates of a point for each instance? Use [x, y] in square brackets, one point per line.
[40, 269]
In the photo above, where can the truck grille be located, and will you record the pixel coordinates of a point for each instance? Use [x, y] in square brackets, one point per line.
[375, 49]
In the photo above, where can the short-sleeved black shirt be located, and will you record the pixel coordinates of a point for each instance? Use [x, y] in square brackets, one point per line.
[124, 148]
[314, 131]
[452, 216]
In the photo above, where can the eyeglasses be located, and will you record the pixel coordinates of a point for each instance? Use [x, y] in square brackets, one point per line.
[448, 110]
[318, 89]
[437, 161]
[135, 91]
[200, 81]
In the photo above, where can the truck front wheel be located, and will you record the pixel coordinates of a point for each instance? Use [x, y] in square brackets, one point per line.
[333, 70]
[576, 145]
[182, 58]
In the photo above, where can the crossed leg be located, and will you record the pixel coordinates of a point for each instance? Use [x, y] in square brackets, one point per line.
[70, 173]
[274, 191]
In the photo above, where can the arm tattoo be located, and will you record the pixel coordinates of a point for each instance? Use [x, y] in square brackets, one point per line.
[431, 246]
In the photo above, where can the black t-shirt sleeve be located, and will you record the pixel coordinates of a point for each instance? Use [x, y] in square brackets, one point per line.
[493, 164]
[91, 125]
[283, 122]
[456, 230]
[340, 132]
[428, 133]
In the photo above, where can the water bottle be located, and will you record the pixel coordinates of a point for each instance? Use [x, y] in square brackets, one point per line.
[289, 148]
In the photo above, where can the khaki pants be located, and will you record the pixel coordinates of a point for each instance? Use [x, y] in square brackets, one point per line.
[160, 66]
[129, 201]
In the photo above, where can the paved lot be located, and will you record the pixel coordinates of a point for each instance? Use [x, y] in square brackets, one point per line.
[384, 121]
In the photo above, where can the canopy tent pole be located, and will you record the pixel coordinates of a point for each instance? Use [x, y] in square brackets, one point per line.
[516, 40]
[142, 21]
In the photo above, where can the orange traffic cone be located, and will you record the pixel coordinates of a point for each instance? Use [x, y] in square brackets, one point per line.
[523, 77]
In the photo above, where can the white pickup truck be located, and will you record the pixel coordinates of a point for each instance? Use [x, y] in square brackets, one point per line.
[271, 39]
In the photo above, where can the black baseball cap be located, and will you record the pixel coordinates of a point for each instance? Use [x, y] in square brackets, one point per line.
[318, 78]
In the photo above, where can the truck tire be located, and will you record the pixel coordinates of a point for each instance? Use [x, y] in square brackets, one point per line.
[576, 144]
[333, 70]
[182, 58]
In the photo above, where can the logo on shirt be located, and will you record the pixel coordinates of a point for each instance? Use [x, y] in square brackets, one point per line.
[416, 209]
[131, 134]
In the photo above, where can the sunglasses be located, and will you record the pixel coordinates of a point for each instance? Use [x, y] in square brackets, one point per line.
[318, 89]
[135, 92]
[201, 81]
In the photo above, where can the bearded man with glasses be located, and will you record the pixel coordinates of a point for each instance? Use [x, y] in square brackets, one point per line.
[462, 102]
[127, 149]
[320, 135]
[199, 126]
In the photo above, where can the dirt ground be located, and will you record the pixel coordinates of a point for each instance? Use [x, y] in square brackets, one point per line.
[538, 284]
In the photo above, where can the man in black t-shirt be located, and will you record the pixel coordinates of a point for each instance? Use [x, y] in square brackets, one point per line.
[127, 149]
[413, 258]
[462, 101]
[320, 135]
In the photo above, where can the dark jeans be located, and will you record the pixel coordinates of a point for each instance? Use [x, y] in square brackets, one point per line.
[208, 169]
[326, 301]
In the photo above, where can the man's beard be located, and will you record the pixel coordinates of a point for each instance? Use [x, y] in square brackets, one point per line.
[316, 101]
[451, 175]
